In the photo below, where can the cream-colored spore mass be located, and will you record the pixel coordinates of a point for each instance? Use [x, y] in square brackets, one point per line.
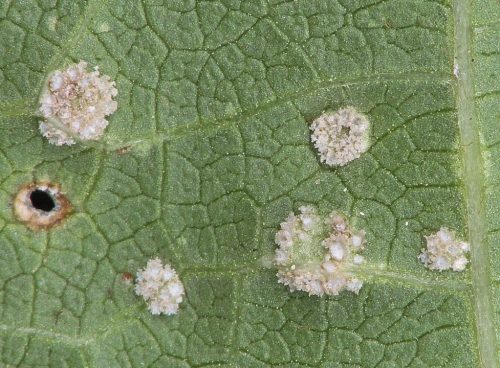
[318, 256]
[444, 252]
[160, 287]
[75, 104]
[340, 137]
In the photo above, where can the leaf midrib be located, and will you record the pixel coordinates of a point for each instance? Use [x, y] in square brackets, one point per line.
[474, 186]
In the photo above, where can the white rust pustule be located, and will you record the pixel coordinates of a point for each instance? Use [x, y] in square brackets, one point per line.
[340, 137]
[318, 256]
[443, 252]
[75, 103]
[160, 287]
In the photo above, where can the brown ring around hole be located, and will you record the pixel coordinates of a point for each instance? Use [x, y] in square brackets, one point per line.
[36, 218]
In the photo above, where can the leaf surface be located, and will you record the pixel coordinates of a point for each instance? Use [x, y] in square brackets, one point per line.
[209, 151]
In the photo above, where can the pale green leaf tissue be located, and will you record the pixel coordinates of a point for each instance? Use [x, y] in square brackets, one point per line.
[209, 150]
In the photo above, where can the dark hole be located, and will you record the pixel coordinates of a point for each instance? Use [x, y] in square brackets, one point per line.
[42, 200]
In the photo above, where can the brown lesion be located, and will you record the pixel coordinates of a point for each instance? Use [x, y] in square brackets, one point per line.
[41, 205]
[124, 150]
[127, 278]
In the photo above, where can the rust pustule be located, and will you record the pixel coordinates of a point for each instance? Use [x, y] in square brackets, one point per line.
[40, 206]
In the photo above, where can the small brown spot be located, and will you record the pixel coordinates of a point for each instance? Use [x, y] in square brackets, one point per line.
[127, 277]
[123, 150]
[41, 206]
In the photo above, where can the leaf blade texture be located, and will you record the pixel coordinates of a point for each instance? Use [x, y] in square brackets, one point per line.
[210, 149]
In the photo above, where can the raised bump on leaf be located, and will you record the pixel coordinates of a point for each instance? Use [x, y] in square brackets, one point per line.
[160, 287]
[75, 103]
[318, 256]
[340, 137]
[444, 252]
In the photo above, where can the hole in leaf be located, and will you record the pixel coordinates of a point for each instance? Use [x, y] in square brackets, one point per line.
[42, 205]
[42, 200]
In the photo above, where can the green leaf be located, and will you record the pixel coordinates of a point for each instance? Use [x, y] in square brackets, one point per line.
[215, 98]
